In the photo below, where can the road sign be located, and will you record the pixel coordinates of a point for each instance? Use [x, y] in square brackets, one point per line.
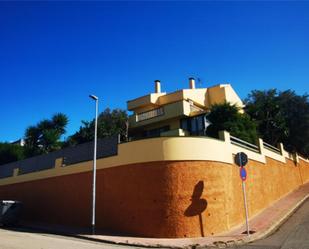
[243, 173]
[241, 159]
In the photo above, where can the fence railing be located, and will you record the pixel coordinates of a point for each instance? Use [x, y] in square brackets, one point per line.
[244, 144]
[71, 155]
[149, 114]
[271, 148]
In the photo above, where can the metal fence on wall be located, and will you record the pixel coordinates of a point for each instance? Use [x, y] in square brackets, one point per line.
[71, 155]
[244, 144]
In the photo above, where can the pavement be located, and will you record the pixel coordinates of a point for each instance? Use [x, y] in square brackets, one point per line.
[263, 224]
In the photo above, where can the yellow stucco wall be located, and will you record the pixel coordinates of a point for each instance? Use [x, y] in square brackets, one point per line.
[146, 150]
[190, 185]
[159, 149]
[184, 198]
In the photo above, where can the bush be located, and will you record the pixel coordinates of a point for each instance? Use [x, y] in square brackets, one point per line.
[227, 117]
[10, 153]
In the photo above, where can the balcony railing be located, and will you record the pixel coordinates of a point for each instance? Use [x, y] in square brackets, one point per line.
[244, 144]
[271, 148]
[150, 114]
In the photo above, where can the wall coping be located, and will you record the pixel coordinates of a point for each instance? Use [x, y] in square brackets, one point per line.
[161, 149]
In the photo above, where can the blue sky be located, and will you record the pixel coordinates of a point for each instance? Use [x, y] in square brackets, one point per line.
[54, 54]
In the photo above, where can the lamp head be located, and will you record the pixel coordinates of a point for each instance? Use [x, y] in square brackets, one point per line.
[93, 97]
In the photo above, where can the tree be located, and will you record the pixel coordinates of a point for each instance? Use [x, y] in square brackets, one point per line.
[45, 136]
[264, 107]
[109, 123]
[10, 153]
[227, 117]
[281, 117]
[295, 110]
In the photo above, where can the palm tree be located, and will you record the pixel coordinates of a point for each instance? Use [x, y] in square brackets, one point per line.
[45, 136]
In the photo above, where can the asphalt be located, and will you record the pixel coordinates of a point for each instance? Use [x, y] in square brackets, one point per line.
[29, 239]
[263, 224]
[292, 234]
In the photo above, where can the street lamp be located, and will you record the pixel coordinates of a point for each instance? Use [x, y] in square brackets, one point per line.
[96, 99]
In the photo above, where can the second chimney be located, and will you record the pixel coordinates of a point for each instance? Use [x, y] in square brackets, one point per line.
[192, 83]
[157, 86]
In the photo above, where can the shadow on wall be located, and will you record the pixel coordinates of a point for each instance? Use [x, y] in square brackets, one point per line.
[198, 205]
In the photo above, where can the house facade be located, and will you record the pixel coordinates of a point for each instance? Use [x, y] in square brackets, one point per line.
[180, 113]
[169, 182]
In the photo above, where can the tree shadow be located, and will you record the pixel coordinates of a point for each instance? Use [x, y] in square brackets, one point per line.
[197, 205]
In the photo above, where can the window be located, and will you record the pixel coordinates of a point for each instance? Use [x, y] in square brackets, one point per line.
[195, 125]
[157, 132]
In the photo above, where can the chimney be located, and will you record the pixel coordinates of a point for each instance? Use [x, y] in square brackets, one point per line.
[157, 86]
[192, 83]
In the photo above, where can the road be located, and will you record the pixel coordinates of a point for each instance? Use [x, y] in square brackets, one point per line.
[28, 240]
[293, 234]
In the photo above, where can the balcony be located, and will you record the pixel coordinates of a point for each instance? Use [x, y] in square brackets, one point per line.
[177, 109]
[150, 114]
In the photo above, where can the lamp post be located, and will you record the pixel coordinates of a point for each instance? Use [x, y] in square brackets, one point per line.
[96, 99]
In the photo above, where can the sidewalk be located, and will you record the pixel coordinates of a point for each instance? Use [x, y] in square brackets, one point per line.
[263, 224]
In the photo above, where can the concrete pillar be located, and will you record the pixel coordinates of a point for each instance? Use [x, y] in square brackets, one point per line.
[283, 151]
[261, 146]
[16, 172]
[225, 136]
[59, 162]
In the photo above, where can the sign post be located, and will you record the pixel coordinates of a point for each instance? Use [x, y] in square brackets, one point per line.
[241, 160]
